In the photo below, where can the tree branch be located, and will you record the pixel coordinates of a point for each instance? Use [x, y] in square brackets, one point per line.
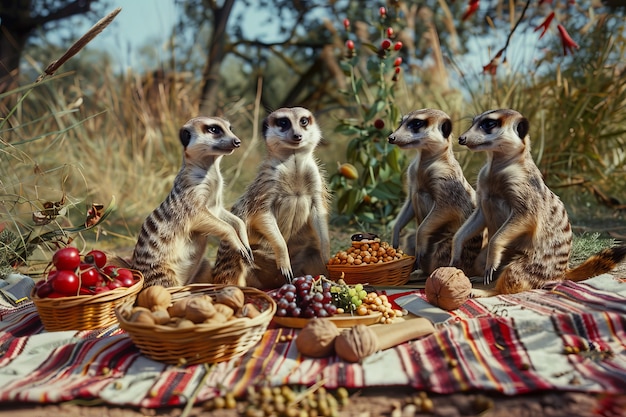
[71, 9]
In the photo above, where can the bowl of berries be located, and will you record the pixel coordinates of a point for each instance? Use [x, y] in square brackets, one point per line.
[307, 297]
[81, 292]
[371, 261]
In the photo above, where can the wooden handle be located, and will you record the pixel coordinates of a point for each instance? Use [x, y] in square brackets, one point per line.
[393, 334]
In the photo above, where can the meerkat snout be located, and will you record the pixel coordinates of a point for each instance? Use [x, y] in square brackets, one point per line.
[462, 140]
[236, 142]
[391, 139]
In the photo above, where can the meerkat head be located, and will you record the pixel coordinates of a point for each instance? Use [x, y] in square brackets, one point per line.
[291, 129]
[500, 131]
[423, 129]
[203, 136]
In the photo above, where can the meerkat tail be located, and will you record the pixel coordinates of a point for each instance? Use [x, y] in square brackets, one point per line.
[600, 263]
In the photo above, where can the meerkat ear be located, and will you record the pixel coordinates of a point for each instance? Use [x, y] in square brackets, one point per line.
[185, 136]
[446, 128]
[266, 126]
[523, 127]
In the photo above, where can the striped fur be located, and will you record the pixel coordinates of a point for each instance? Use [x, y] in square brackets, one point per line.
[439, 197]
[529, 232]
[285, 208]
[172, 241]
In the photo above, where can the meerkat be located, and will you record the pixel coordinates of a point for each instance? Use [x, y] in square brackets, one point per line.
[439, 198]
[172, 241]
[529, 233]
[285, 208]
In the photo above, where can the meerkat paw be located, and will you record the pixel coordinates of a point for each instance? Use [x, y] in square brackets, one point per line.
[489, 275]
[417, 263]
[287, 273]
[247, 254]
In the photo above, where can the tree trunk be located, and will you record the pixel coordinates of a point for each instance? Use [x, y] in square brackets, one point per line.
[18, 19]
[15, 28]
[211, 74]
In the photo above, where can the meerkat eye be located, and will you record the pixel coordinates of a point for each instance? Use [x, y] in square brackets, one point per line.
[416, 124]
[284, 123]
[304, 121]
[489, 124]
[214, 130]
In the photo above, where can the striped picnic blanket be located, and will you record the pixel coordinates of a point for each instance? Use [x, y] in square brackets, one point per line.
[570, 336]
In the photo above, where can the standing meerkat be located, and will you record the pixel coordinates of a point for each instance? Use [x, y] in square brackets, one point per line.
[171, 245]
[285, 208]
[529, 233]
[439, 197]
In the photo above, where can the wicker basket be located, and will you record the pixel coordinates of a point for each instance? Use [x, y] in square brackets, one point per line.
[202, 343]
[385, 274]
[84, 312]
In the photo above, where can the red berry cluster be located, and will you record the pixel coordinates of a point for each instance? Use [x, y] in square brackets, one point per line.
[72, 275]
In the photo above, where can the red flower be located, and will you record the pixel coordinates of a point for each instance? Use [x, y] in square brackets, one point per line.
[472, 6]
[390, 32]
[397, 62]
[397, 46]
[346, 23]
[566, 40]
[545, 24]
[382, 11]
[385, 44]
[492, 66]
[350, 44]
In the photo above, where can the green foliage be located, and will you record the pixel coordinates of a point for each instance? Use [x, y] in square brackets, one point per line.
[373, 198]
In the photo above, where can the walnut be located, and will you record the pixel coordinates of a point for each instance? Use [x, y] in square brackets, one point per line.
[161, 316]
[231, 296]
[142, 316]
[199, 308]
[448, 288]
[250, 310]
[317, 338]
[224, 310]
[356, 343]
[154, 298]
[177, 309]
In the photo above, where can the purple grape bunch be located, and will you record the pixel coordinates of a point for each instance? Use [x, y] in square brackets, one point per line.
[305, 297]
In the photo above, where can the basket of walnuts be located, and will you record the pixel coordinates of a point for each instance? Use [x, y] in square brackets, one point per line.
[196, 323]
[371, 261]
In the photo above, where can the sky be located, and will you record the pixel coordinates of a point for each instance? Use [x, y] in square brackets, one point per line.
[140, 23]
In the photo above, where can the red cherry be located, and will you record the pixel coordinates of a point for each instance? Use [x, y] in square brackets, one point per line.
[96, 257]
[55, 294]
[346, 23]
[379, 124]
[385, 44]
[126, 277]
[382, 11]
[101, 289]
[350, 44]
[116, 283]
[89, 275]
[390, 32]
[66, 282]
[43, 289]
[86, 291]
[398, 45]
[397, 62]
[67, 258]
